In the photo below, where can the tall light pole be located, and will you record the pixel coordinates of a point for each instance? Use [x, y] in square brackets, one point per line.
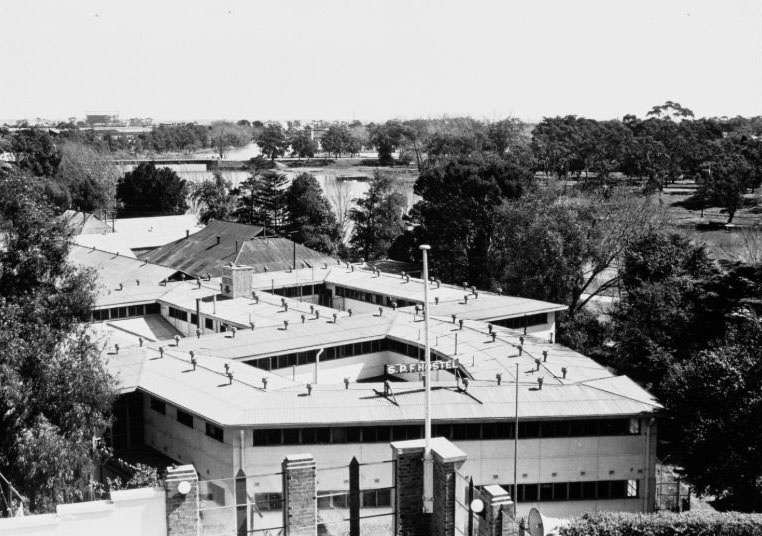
[428, 467]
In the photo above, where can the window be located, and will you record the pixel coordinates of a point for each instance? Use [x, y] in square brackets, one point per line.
[523, 321]
[194, 319]
[209, 323]
[634, 426]
[632, 488]
[185, 418]
[158, 405]
[178, 314]
[268, 501]
[215, 432]
[152, 309]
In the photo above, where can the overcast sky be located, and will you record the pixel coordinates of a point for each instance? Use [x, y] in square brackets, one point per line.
[374, 60]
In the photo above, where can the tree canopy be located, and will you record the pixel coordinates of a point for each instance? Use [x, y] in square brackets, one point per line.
[54, 391]
[312, 221]
[151, 190]
[377, 219]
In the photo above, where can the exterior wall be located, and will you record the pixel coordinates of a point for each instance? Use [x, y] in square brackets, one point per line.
[165, 434]
[355, 368]
[129, 512]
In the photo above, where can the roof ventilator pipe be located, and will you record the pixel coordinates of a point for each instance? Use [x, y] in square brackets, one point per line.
[494, 335]
[537, 364]
[465, 299]
[380, 311]
[218, 240]
[264, 383]
[317, 313]
[317, 366]
[304, 318]
[544, 356]
[140, 341]
[490, 327]
[349, 311]
[436, 300]
[193, 360]
[540, 380]
[499, 378]
[161, 352]
[521, 350]
[285, 325]
[177, 340]
[564, 370]
[116, 349]
[252, 325]
[309, 389]
[346, 383]
[335, 318]
[233, 331]
[460, 323]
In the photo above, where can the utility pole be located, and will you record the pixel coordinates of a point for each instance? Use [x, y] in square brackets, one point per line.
[516, 443]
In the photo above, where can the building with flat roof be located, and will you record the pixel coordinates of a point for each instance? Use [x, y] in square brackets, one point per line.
[255, 365]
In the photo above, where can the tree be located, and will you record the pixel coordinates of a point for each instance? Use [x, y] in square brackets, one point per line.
[36, 152]
[336, 140]
[148, 190]
[312, 222]
[727, 177]
[339, 195]
[54, 391]
[377, 219]
[715, 401]
[89, 175]
[226, 135]
[386, 138]
[272, 141]
[302, 143]
[214, 198]
[247, 210]
[456, 213]
[262, 201]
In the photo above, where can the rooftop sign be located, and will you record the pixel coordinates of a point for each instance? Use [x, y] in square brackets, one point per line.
[401, 368]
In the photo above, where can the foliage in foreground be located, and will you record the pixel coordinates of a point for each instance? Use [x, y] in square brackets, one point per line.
[686, 524]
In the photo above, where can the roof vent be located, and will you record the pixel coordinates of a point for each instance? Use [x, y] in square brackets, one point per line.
[476, 294]
[161, 352]
[407, 279]
[312, 309]
[494, 335]
[304, 318]
[490, 327]
[537, 364]
[539, 383]
[140, 341]
[380, 311]
[121, 286]
[116, 349]
[465, 299]
[460, 323]
[564, 370]
[521, 340]
[521, 349]
[335, 317]
[403, 274]
[193, 359]
[417, 308]
[499, 378]
[198, 282]
[285, 324]
[264, 383]
[187, 234]
[352, 268]
[439, 283]
[198, 333]
[349, 311]
[338, 262]
[251, 323]
[309, 389]
[233, 331]
[325, 266]
[177, 340]
[394, 306]
[230, 376]
[317, 313]
[346, 383]
[254, 296]
[453, 319]
[436, 300]
[544, 355]
[218, 239]
[137, 282]
[550, 339]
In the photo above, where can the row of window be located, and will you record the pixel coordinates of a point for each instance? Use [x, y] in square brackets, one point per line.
[300, 291]
[339, 352]
[523, 321]
[547, 491]
[185, 418]
[373, 498]
[452, 431]
[370, 297]
[113, 313]
[576, 491]
[181, 315]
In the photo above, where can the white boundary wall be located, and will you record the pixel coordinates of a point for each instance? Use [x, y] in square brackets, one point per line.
[128, 513]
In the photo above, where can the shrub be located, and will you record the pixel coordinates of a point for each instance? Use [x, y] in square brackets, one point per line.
[666, 524]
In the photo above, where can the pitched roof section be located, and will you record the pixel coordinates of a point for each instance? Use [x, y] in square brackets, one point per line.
[206, 251]
[278, 254]
[121, 280]
[141, 233]
[84, 223]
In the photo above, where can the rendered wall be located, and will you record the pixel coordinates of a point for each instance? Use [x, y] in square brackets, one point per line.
[128, 513]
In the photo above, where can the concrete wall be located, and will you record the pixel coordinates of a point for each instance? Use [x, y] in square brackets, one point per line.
[128, 513]
[212, 458]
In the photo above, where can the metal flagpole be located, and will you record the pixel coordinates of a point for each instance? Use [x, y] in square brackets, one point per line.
[428, 467]
[516, 443]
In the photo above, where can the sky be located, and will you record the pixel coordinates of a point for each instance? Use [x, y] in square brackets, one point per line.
[376, 60]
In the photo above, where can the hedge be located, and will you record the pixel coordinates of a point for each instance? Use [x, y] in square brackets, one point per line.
[666, 524]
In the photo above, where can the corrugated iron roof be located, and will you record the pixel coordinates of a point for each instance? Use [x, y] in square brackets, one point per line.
[200, 253]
